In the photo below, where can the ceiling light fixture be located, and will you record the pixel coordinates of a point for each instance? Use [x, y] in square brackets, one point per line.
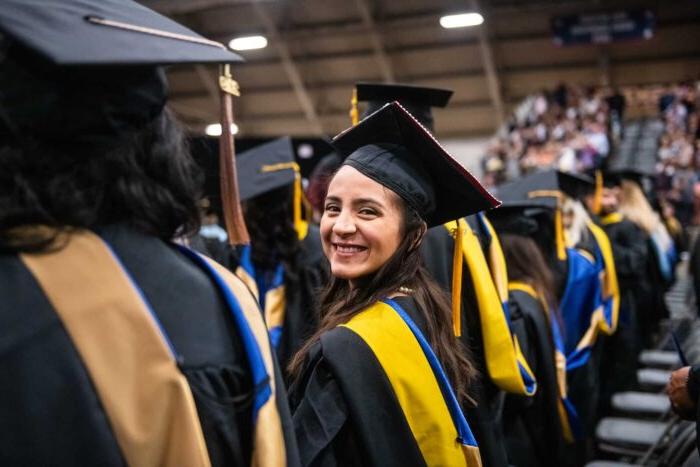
[215, 129]
[248, 43]
[461, 20]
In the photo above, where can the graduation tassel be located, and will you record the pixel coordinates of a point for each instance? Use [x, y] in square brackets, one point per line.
[559, 235]
[354, 112]
[598, 193]
[233, 214]
[457, 259]
[300, 224]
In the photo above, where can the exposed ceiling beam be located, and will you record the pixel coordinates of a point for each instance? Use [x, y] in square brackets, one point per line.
[179, 7]
[324, 86]
[291, 69]
[375, 38]
[493, 82]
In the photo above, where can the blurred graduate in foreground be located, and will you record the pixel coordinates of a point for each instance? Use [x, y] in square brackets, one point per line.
[119, 347]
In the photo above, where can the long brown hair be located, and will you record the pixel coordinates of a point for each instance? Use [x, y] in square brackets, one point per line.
[339, 303]
[526, 264]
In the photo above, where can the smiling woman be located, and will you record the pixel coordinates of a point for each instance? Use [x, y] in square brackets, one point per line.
[383, 380]
[360, 227]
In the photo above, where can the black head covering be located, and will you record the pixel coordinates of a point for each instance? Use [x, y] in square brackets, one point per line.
[576, 186]
[517, 218]
[547, 184]
[85, 70]
[542, 186]
[417, 100]
[394, 149]
[265, 168]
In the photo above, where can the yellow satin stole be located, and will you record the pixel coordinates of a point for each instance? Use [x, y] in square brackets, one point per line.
[505, 362]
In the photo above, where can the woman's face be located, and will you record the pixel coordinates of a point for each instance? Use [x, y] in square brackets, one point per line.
[361, 224]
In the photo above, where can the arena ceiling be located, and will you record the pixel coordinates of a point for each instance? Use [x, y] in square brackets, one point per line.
[301, 83]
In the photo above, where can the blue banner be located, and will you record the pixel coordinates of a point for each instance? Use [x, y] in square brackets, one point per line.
[604, 27]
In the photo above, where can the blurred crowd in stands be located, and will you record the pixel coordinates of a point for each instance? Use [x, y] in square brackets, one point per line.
[678, 179]
[578, 129]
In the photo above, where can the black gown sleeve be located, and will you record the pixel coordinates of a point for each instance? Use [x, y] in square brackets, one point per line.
[527, 339]
[290, 442]
[321, 420]
[629, 250]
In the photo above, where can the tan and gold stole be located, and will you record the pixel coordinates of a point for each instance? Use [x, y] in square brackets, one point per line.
[131, 362]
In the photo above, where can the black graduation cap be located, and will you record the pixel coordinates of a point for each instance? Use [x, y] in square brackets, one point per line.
[266, 167]
[394, 149]
[270, 166]
[611, 179]
[632, 173]
[548, 185]
[544, 188]
[83, 69]
[576, 185]
[105, 32]
[417, 100]
[517, 217]
[90, 72]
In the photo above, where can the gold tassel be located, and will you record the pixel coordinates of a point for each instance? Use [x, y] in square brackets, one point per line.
[354, 112]
[300, 224]
[457, 278]
[559, 234]
[598, 194]
[230, 200]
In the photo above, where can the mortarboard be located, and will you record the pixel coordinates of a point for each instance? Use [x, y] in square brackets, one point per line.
[546, 188]
[611, 179]
[632, 173]
[270, 166]
[516, 218]
[90, 72]
[108, 32]
[394, 149]
[548, 184]
[417, 100]
[576, 186]
[266, 167]
[541, 185]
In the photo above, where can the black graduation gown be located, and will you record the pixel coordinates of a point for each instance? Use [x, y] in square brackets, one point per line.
[619, 372]
[485, 418]
[51, 414]
[301, 293]
[219, 251]
[533, 431]
[301, 297]
[345, 411]
[655, 291]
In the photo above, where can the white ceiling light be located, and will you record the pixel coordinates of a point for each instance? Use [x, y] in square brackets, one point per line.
[305, 151]
[215, 129]
[248, 43]
[462, 20]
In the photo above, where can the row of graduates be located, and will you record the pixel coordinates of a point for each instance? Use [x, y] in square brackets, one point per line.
[539, 286]
[124, 347]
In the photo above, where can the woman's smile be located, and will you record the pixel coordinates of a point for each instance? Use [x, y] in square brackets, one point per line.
[348, 250]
